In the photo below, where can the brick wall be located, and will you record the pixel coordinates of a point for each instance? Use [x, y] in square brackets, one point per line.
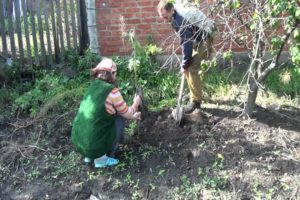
[140, 15]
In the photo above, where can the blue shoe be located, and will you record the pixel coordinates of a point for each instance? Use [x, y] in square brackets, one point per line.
[108, 162]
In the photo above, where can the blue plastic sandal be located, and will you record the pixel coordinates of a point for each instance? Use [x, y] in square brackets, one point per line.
[109, 162]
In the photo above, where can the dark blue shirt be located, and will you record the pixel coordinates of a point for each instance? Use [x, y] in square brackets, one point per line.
[188, 34]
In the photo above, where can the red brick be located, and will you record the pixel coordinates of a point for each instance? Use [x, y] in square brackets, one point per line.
[130, 26]
[101, 11]
[143, 15]
[107, 21]
[144, 26]
[113, 28]
[118, 10]
[149, 20]
[102, 1]
[129, 15]
[132, 21]
[164, 31]
[146, 3]
[149, 9]
[133, 10]
[129, 4]
[157, 26]
[112, 43]
[107, 16]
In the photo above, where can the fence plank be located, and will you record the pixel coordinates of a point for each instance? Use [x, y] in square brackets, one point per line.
[3, 31]
[19, 30]
[41, 32]
[73, 23]
[38, 33]
[45, 8]
[67, 23]
[60, 29]
[79, 26]
[28, 47]
[11, 29]
[54, 32]
[35, 45]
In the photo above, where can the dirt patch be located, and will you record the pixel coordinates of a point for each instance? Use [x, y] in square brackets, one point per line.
[212, 154]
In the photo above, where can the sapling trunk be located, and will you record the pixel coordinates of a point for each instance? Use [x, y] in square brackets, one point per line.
[250, 103]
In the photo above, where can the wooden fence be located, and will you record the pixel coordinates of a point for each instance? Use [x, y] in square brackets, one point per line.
[38, 32]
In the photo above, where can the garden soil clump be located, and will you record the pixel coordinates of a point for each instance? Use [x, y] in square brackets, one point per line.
[212, 154]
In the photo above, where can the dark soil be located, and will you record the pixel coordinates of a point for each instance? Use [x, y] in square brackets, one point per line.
[212, 154]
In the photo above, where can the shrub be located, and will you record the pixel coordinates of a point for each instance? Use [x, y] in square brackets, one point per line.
[284, 82]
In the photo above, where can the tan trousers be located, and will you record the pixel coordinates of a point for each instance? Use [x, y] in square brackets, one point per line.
[193, 79]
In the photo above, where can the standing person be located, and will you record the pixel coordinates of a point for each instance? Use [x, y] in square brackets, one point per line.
[195, 32]
[99, 123]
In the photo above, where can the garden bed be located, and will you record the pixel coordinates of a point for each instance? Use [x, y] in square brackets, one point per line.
[212, 154]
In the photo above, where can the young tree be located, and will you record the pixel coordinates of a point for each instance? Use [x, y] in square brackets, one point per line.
[265, 28]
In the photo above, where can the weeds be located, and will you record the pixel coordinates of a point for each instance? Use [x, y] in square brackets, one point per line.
[146, 151]
[117, 184]
[130, 130]
[64, 165]
[130, 158]
[91, 176]
[136, 192]
[34, 174]
[208, 180]
[161, 172]
[128, 179]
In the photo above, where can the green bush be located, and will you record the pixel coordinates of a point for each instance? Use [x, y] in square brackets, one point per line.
[82, 63]
[44, 88]
[140, 70]
[284, 82]
[50, 91]
[214, 80]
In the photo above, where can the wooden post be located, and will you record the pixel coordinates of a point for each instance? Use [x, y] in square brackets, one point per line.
[11, 29]
[60, 30]
[41, 32]
[73, 24]
[28, 47]
[3, 32]
[45, 8]
[79, 25]
[35, 45]
[67, 24]
[54, 32]
[19, 30]
[84, 39]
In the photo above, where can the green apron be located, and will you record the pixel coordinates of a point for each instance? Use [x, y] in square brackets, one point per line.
[93, 131]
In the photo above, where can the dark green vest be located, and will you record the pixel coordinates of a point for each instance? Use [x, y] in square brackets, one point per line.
[93, 131]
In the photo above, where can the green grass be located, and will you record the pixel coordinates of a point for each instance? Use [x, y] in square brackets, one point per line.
[52, 90]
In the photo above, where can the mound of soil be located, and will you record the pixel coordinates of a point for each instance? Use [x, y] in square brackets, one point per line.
[211, 154]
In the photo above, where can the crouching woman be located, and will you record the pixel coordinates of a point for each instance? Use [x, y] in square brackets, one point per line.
[99, 123]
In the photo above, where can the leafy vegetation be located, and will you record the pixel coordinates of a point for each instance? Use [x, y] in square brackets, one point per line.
[284, 82]
[264, 31]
